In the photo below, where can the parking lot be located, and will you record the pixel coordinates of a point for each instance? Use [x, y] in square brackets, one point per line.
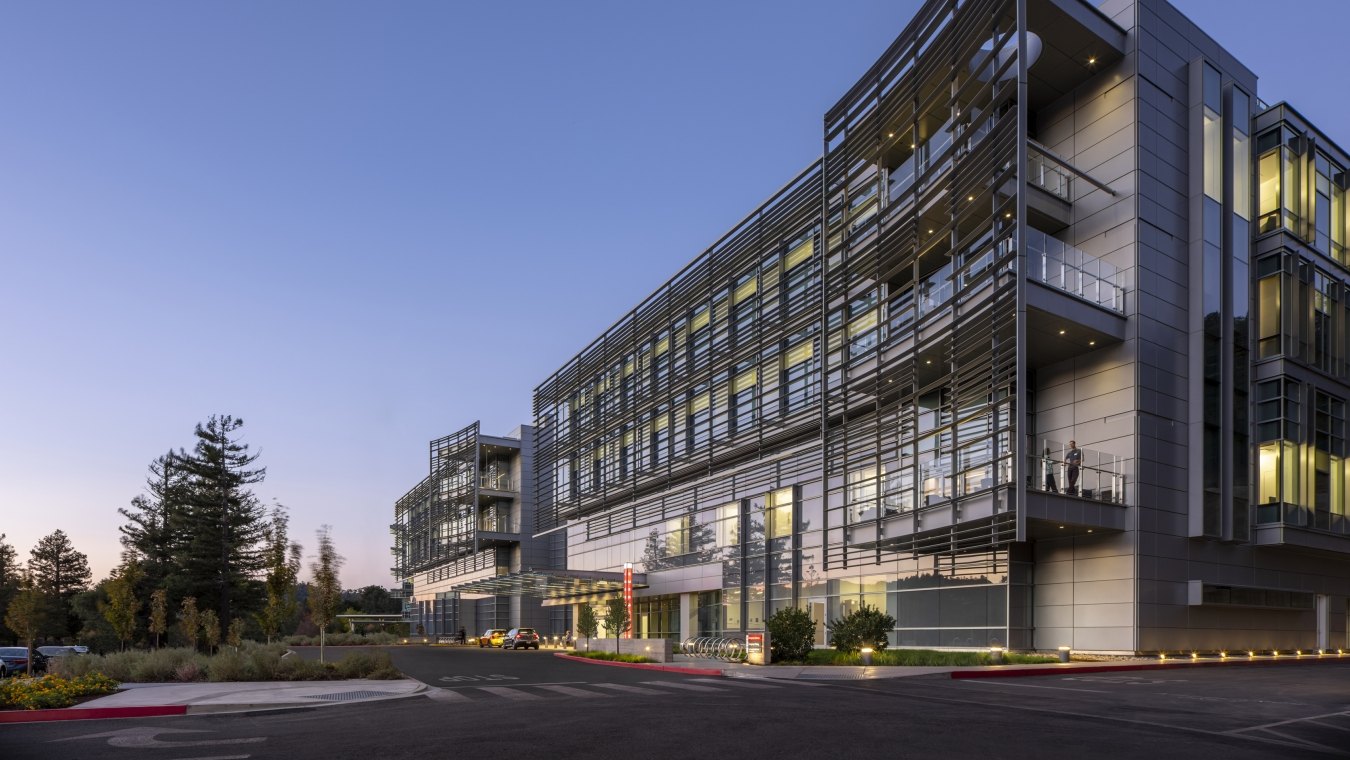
[1292, 709]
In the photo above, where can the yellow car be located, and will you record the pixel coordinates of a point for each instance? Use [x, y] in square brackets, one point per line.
[492, 637]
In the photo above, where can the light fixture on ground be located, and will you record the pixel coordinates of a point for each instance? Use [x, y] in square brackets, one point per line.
[995, 655]
[1064, 653]
[866, 653]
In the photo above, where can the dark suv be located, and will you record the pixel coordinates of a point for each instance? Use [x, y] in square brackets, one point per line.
[521, 638]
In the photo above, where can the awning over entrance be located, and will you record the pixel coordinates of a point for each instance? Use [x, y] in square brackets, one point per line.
[551, 584]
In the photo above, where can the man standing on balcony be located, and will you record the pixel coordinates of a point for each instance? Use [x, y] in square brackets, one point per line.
[1074, 459]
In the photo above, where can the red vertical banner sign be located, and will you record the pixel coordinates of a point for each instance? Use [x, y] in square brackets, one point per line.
[628, 596]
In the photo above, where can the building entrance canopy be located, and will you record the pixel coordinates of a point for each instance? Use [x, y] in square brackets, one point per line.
[551, 584]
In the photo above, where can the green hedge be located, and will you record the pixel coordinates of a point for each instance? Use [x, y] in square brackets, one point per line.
[920, 657]
[611, 656]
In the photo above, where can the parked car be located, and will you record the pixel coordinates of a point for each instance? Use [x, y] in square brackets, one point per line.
[55, 651]
[14, 661]
[492, 637]
[521, 638]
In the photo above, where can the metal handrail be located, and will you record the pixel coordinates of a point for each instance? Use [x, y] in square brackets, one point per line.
[714, 647]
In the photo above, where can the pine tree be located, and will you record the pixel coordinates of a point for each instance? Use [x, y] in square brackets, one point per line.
[153, 530]
[325, 592]
[222, 521]
[59, 573]
[283, 569]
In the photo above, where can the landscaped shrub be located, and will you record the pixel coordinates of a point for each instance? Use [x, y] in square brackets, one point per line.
[921, 657]
[611, 656]
[249, 662]
[346, 640]
[51, 691]
[792, 634]
[362, 664]
[864, 627]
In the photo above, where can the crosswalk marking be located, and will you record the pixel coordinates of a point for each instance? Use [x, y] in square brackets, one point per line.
[510, 693]
[625, 688]
[679, 685]
[447, 695]
[568, 691]
[732, 682]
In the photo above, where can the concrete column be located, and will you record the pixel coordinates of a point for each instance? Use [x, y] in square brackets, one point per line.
[688, 617]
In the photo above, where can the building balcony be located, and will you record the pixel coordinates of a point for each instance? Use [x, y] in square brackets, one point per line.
[493, 482]
[1065, 500]
[1075, 303]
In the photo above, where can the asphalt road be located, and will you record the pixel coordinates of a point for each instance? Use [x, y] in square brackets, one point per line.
[495, 704]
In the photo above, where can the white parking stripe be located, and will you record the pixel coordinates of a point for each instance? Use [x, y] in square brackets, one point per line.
[509, 693]
[734, 682]
[679, 685]
[625, 688]
[568, 691]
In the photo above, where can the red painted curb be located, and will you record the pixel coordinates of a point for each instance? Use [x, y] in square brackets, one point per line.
[1050, 671]
[90, 713]
[642, 665]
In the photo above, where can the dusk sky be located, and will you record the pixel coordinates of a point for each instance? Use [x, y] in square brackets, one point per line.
[361, 226]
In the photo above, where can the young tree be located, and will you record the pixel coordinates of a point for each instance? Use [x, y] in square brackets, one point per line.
[27, 614]
[587, 625]
[159, 614]
[211, 630]
[617, 621]
[223, 523]
[325, 591]
[283, 569]
[235, 636]
[122, 606]
[189, 621]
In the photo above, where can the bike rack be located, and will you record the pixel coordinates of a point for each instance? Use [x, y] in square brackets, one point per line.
[715, 648]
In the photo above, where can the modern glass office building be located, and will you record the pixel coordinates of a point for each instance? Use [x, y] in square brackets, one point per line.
[466, 526]
[986, 362]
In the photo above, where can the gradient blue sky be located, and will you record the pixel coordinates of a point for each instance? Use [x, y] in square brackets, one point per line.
[360, 226]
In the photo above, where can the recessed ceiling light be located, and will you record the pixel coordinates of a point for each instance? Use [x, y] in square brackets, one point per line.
[970, 197]
[911, 145]
[1092, 343]
[1061, 527]
[1092, 61]
[928, 361]
[1061, 332]
[1008, 215]
[890, 134]
[930, 232]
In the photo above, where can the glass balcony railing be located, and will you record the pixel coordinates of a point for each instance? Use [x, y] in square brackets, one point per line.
[1047, 175]
[1090, 474]
[495, 482]
[1053, 262]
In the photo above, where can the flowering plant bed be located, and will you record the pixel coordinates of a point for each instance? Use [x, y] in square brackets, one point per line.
[611, 656]
[51, 691]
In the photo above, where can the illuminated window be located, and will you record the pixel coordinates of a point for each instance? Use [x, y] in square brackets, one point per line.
[729, 524]
[778, 517]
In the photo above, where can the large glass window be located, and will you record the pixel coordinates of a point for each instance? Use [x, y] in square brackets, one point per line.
[798, 384]
[778, 513]
[742, 401]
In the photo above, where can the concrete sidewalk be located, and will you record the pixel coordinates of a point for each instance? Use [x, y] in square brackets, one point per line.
[247, 695]
[143, 700]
